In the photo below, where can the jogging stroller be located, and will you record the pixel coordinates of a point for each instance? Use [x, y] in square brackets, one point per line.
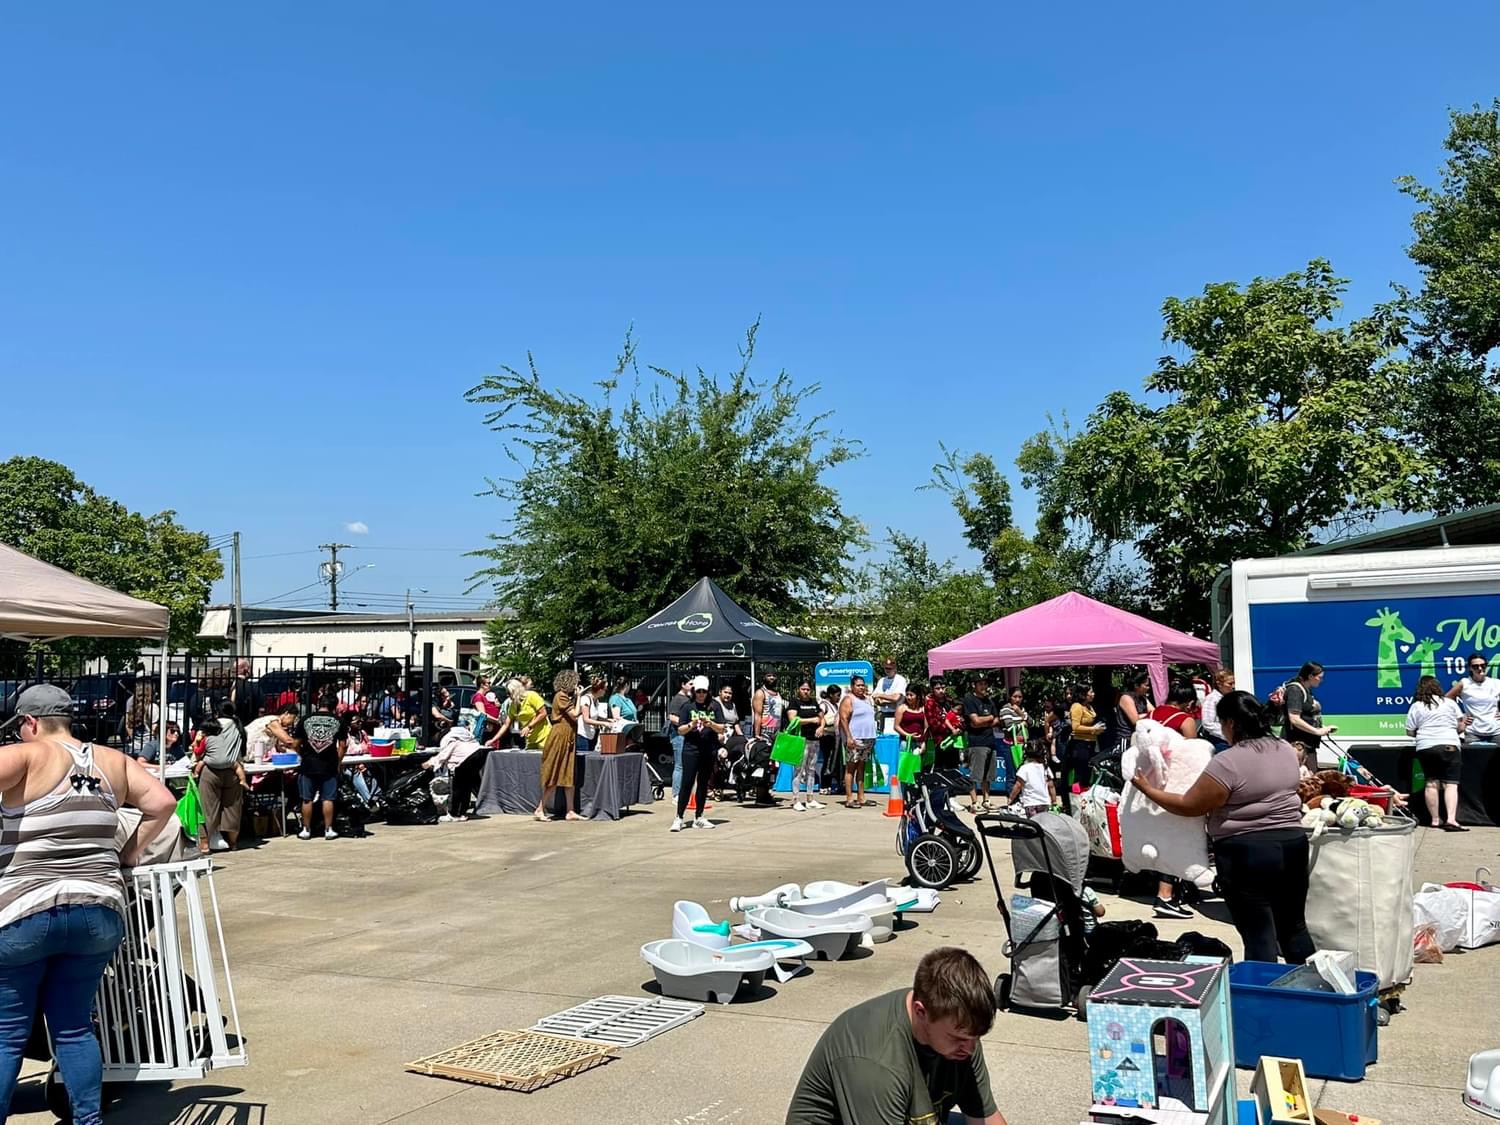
[1046, 943]
[938, 847]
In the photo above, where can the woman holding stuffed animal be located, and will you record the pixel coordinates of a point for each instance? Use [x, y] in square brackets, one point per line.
[1436, 723]
[1175, 714]
[1249, 795]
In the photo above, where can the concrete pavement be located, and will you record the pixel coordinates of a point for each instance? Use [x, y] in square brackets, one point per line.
[354, 957]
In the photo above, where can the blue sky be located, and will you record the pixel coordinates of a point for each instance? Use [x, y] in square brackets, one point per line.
[252, 255]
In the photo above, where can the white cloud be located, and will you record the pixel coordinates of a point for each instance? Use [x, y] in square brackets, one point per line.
[357, 527]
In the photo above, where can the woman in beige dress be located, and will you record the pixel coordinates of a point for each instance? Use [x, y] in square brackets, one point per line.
[561, 745]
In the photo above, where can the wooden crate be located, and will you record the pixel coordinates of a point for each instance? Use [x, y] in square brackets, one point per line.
[515, 1060]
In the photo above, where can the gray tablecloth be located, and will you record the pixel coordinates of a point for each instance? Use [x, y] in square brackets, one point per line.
[608, 784]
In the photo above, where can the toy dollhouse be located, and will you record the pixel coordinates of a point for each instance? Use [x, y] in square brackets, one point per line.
[1160, 1043]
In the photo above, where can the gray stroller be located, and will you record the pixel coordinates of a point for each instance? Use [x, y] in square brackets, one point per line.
[1046, 943]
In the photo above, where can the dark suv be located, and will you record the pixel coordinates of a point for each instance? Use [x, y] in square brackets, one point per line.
[99, 705]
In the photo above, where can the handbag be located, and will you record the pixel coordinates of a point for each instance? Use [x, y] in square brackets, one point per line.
[909, 763]
[790, 747]
[190, 810]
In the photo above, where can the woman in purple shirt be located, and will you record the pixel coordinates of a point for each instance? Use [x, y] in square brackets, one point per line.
[1249, 795]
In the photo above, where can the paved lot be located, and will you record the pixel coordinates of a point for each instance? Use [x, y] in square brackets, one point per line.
[354, 957]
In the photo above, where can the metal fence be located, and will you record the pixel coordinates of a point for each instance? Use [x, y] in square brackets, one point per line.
[121, 708]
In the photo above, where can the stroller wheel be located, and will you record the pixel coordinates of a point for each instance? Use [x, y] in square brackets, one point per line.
[970, 859]
[57, 1096]
[932, 861]
[1002, 991]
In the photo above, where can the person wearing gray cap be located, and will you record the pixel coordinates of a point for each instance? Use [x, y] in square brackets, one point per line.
[62, 897]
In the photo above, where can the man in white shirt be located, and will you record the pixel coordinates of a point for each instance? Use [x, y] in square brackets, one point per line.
[1480, 697]
[890, 690]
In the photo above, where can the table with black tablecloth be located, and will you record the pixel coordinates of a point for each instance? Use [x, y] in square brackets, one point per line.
[1478, 784]
[608, 784]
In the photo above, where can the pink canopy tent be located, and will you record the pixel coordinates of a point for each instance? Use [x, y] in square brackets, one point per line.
[1073, 629]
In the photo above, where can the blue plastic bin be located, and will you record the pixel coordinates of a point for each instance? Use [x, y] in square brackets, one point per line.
[1334, 1035]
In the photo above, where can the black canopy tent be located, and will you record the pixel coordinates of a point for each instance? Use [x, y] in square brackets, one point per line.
[704, 624]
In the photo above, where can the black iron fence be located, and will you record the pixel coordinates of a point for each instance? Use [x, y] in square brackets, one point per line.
[116, 707]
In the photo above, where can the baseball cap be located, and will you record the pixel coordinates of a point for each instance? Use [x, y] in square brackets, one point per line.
[700, 683]
[41, 701]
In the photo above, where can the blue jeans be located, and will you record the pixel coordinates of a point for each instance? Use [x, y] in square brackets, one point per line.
[676, 763]
[55, 958]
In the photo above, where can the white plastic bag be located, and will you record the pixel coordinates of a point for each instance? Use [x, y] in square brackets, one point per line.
[1465, 918]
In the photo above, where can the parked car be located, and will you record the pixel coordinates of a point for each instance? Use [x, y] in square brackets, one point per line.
[99, 704]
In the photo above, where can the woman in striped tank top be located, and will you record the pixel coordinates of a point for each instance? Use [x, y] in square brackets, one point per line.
[62, 897]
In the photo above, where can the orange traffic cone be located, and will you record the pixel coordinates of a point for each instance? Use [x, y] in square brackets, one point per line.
[894, 805]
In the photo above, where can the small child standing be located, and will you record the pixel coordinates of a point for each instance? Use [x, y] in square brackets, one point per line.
[1034, 791]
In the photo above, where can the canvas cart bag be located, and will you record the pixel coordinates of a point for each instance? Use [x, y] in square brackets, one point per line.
[1359, 896]
[1039, 971]
[1099, 813]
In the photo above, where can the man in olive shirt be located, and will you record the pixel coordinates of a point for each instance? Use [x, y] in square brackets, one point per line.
[908, 1057]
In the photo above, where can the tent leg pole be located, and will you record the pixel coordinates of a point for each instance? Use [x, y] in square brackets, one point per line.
[161, 706]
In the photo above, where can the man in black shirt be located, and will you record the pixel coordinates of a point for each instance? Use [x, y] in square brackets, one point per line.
[245, 694]
[700, 721]
[322, 739]
[979, 732]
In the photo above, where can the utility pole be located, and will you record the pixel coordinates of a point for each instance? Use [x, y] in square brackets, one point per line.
[411, 627]
[239, 612]
[332, 564]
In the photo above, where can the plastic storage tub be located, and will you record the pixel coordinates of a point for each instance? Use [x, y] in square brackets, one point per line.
[1333, 1034]
[284, 759]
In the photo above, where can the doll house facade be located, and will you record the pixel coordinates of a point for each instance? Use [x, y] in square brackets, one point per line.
[1161, 1048]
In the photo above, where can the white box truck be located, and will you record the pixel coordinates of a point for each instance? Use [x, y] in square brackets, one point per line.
[1376, 621]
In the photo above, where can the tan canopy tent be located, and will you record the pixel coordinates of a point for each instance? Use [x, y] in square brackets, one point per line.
[39, 601]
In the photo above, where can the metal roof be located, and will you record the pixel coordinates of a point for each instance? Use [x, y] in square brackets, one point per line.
[1473, 527]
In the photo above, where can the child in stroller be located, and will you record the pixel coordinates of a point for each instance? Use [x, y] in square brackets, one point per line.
[938, 847]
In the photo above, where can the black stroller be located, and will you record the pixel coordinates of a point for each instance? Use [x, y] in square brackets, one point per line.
[1047, 947]
[938, 847]
[748, 769]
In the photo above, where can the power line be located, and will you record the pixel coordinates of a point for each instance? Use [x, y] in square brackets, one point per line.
[280, 555]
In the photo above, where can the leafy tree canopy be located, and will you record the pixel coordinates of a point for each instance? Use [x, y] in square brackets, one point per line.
[46, 511]
[1454, 410]
[1273, 427]
[622, 500]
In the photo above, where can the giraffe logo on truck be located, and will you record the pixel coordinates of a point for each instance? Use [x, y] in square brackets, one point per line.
[1387, 656]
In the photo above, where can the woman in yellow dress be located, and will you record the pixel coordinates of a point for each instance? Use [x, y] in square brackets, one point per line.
[561, 745]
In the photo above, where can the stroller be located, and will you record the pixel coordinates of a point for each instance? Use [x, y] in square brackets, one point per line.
[1047, 947]
[747, 769]
[939, 849]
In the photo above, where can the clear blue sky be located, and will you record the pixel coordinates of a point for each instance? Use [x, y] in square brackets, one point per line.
[252, 255]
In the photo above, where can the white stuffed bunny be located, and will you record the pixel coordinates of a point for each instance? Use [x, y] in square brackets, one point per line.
[1152, 839]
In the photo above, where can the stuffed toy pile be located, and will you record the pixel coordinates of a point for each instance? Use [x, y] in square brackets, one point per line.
[1151, 838]
[1326, 803]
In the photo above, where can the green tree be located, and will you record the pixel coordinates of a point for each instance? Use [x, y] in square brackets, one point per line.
[46, 511]
[1454, 405]
[1276, 425]
[623, 499]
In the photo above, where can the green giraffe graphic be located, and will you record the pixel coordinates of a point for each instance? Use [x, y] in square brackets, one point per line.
[1387, 662]
[1425, 654]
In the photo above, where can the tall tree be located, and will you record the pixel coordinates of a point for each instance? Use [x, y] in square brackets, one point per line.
[1276, 425]
[1454, 410]
[622, 500]
[46, 511]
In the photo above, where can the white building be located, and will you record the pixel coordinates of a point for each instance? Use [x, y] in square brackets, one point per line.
[457, 639]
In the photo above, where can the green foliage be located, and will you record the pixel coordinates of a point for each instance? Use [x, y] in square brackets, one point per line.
[622, 501]
[1454, 405]
[49, 513]
[1457, 241]
[1274, 427]
[907, 603]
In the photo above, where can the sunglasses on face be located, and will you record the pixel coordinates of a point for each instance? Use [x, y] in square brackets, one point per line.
[1478, 667]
